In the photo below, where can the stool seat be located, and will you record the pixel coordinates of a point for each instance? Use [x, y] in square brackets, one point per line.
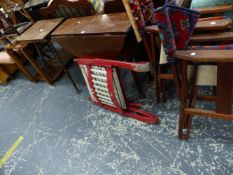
[5, 58]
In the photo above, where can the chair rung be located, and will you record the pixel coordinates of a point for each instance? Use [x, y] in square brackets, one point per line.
[206, 98]
[208, 113]
[166, 76]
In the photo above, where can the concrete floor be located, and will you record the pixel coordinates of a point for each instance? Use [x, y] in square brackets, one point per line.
[65, 134]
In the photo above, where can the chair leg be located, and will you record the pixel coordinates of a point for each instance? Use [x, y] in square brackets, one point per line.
[137, 82]
[154, 62]
[176, 75]
[182, 134]
[162, 90]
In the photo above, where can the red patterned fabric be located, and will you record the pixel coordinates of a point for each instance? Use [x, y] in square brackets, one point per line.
[143, 12]
[176, 25]
[137, 14]
[147, 7]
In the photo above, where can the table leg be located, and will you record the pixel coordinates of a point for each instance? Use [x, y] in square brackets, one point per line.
[64, 67]
[224, 88]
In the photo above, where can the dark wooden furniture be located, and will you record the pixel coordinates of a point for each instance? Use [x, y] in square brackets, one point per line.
[39, 33]
[113, 6]
[10, 7]
[205, 31]
[224, 95]
[68, 9]
[99, 35]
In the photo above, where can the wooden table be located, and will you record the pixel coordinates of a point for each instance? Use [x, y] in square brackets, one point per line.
[99, 35]
[39, 33]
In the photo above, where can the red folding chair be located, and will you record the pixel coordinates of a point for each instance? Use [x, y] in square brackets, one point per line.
[105, 87]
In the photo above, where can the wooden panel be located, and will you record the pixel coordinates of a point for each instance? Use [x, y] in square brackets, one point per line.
[39, 30]
[207, 113]
[224, 88]
[67, 9]
[116, 23]
[106, 46]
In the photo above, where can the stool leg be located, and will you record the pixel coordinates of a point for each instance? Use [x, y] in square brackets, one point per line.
[154, 62]
[183, 103]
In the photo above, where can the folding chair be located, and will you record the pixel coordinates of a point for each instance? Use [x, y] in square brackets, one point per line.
[222, 55]
[105, 88]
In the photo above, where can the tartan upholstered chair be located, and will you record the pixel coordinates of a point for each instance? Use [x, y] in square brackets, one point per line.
[105, 88]
[175, 28]
[68, 9]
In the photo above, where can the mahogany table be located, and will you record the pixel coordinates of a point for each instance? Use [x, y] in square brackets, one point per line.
[99, 35]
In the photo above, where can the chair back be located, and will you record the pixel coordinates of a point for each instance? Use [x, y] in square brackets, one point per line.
[140, 13]
[68, 9]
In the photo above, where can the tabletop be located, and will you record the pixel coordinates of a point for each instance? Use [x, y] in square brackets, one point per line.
[39, 30]
[115, 23]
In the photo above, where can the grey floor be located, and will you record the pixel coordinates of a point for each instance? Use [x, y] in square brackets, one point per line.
[66, 134]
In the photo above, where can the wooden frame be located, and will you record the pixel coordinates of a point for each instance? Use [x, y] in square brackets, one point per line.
[68, 8]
